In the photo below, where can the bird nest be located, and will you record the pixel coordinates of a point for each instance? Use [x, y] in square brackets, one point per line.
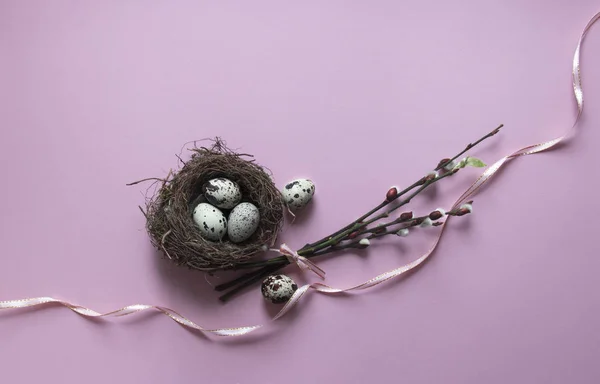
[169, 211]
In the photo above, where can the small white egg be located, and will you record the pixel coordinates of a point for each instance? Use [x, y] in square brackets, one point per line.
[278, 289]
[222, 192]
[243, 221]
[298, 193]
[211, 221]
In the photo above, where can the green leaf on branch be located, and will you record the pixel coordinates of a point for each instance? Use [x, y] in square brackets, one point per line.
[475, 162]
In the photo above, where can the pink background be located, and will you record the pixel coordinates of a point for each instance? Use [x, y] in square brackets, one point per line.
[356, 95]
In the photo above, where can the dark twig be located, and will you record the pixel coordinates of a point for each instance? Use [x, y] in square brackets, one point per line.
[349, 236]
[144, 180]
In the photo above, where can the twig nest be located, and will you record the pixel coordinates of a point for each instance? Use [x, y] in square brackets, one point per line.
[278, 289]
[186, 217]
[298, 193]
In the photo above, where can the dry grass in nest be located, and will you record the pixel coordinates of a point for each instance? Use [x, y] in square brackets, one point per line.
[169, 211]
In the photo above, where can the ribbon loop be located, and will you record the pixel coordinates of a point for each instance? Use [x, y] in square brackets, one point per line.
[302, 262]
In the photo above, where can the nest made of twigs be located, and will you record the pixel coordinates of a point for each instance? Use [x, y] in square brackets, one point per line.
[169, 211]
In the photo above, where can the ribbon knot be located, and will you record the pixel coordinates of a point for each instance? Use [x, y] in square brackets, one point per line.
[302, 262]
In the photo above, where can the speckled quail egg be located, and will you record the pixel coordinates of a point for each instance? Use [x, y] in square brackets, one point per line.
[298, 193]
[278, 289]
[243, 221]
[211, 221]
[222, 192]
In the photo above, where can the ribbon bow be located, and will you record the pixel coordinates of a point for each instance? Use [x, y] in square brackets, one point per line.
[302, 262]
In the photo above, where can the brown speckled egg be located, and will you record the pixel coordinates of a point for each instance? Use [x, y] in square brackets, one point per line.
[278, 289]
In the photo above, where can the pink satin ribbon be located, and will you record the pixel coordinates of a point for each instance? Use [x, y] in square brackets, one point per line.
[304, 263]
[129, 310]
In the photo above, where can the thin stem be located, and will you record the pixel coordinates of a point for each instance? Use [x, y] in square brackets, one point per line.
[375, 233]
[144, 180]
[469, 146]
[260, 263]
[421, 189]
[245, 277]
[366, 215]
[406, 190]
[332, 242]
[359, 224]
[236, 281]
[414, 220]
[250, 278]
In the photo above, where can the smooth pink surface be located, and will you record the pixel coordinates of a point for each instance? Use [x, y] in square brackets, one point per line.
[356, 95]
